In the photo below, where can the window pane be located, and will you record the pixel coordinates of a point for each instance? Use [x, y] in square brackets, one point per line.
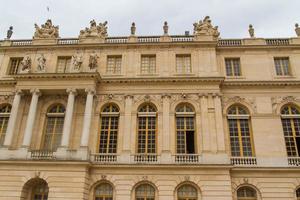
[233, 67]
[187, 192]
[282, 67]
[148, 64]
[114, 64]
[183, 64]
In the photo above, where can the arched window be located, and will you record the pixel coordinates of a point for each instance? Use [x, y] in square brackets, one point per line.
[290, 119]
[240, 132]
[145, 192]
[54, 127]
[187, 192]
[246, 193]
[104, 191]
[146, 139]
[40, 190]
[298, 194]
[109, 129]
[4, 117]
[185, 129]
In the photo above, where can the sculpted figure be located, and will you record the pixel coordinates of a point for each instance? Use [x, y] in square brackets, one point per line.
[94, 30]
[46, 30]
[93, 61]
[133, 29]
[166, 28]
[297, 29]
[26, 64]
[41, 67]
[205, 28]
[9, 32]
[251, 31]
[77, 62]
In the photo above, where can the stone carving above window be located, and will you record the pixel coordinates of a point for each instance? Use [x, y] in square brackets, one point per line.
[46, 31]
[279, 101]
[205, 28]
[250, 101]
[95, 30]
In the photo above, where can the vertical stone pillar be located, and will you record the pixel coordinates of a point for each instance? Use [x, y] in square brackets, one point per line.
[31, 117]
[87, 117]
[12, 119]
[68, 118]
[166, 123]
[219, 123]
[205, 123]
[127, 123]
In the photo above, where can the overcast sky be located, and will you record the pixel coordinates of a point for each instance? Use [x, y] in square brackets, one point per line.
[271, 18]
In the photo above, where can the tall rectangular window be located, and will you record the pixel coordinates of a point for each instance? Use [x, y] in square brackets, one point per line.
[233, 67]
[14, 66]
[148, 64]
[282, 66]
[183, 64]
[63, 64]
[114, 64]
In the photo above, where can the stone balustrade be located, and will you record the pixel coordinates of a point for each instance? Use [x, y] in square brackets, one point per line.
[102, 158]
[243, 161]
[145, 158]
[294, 161]
[42, 155]
[187, 158]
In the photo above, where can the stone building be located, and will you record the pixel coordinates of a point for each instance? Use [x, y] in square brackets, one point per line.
[170, 117]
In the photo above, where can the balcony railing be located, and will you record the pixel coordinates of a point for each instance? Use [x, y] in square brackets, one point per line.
[278, 42]
[186, 158]
[243, 161]
[294, 161]
[104, 158]
[116, 40]
[145, 158]
[42, 154]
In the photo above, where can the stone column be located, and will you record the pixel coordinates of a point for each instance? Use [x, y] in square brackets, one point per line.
[12, 118]
[166, 123]
[205, 122]
[31, 117]
[87, 117]
[219, 123]
[127, 123]
[68, 118]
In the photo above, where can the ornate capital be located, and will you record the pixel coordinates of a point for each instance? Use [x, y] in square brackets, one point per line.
[18, 92]
[35, 91]
[90, 91]
[128, 96]
[167, 96]
[72, 91]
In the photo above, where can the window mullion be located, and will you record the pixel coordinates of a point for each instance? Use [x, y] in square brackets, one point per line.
[240, 138]
[108, 135]
[146, 139]
[185, 146]
[294, 135]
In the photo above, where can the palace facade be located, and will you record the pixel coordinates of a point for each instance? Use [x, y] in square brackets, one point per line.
[170, 117]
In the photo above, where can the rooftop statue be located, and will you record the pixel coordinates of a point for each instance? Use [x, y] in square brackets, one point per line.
[166, 28]
[95, 30]
[46, 30]
[9, 33]
[133, 29]
[251, 31]
[297, 29]
[205, 28]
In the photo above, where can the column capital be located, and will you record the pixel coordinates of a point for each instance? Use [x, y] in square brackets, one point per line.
[128, 96]
[36, 91]
[203, 95]
[168, 96]
[18, 92]
[71, 90]
[91, 91]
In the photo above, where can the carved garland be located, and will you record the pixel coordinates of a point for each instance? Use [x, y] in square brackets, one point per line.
[227, 101]
[280, 101]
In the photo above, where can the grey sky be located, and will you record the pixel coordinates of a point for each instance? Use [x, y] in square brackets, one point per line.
[271, 18]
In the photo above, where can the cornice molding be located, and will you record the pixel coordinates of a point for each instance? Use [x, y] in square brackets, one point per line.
[163, 79]
[37, 76]
[262, 83]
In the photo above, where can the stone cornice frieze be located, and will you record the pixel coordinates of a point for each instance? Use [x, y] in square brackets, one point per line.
[261, 83]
